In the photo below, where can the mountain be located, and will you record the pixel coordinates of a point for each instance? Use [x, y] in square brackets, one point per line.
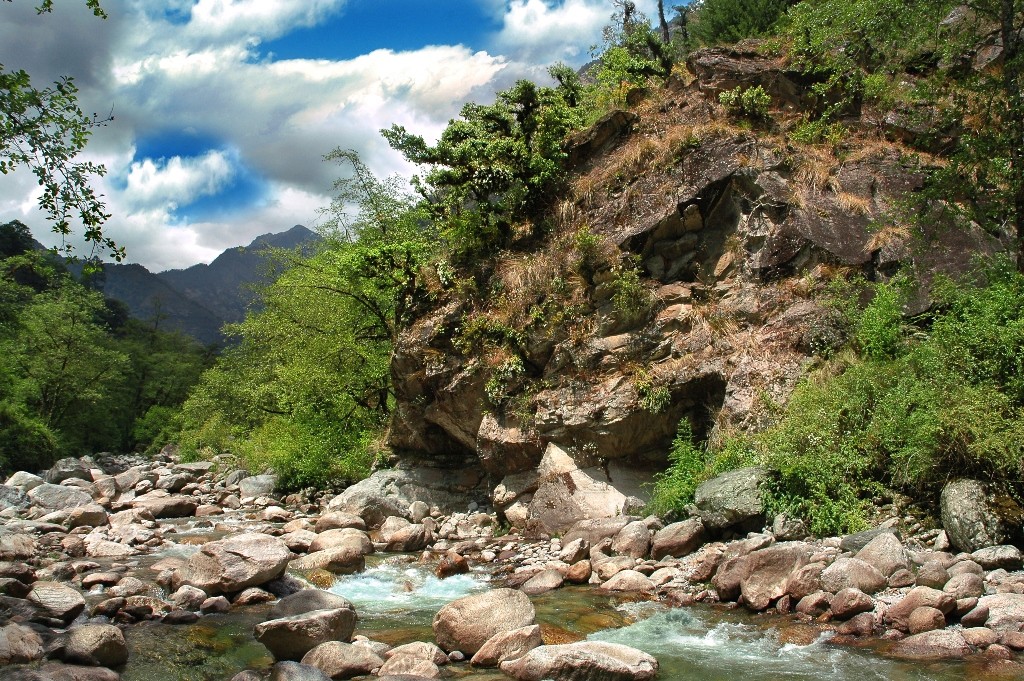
[200, 299]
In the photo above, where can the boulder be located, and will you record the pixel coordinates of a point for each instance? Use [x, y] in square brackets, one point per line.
[368, 501]
[337, 520]
[12, 497]
[290, 638]
[19, 644]
[925, 619]
[731, 499]
[943, 644]
[24, 481]
[163, 504]
[16, 547]
[787, 528]
[295, 671]
[67, 469]
[595, 530]
[420, 650]
[968, 517]
[236, 563]
[932, 574]
[995, 557]
[858, 540]
[348, 538]
[409, 667]
[886, 553]
[58, 497]
[583, 661]
[340, 660]
[90, 515]
[308, 600]
[898, 614]
[467, 623]
[849, 602]
[805, 581]
[257, 485]
[852, 573]
[542, 582]
[101, 645]
[57, 601]
[633, 540]
[579, 572]
[412, 537]
[965, 585]
[768, 572]
[628, 580]
[342, 560]
[678, 539]
[508, 645]
[1005, 611]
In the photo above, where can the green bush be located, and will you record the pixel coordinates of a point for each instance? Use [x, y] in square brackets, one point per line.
[26, 444]
[752, 103]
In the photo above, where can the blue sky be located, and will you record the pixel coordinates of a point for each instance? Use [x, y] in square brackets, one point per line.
[223, 109]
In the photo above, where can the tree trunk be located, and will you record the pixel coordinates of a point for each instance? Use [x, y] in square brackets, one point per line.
[665, 37]
[1012, 84]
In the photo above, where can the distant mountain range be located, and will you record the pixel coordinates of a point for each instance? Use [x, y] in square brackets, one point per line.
[199, 300]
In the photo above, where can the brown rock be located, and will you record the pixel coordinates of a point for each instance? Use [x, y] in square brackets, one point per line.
[768, 572]
[340, 660]
[678, 539]
[19, 644]
[542, 582]
[965, 585]
[509, 645]
[290, 638]
[628, 580]
[852, 573]
[466, 624]
[814, 604]
[633, 540]
[932, 574]
[898, 615]
[236, 563]
[806, 580]
[579, 572]
[942, 644]
[850, 602]
[859, 625]
[979, 637]
[886, 553]
[925, 619]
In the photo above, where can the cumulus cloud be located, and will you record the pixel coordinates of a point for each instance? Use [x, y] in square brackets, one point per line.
[177, 181]
[536, 30]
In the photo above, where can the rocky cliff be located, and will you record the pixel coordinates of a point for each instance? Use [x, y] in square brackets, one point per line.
[679, 280]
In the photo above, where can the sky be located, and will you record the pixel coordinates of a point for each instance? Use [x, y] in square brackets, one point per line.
[223, 109]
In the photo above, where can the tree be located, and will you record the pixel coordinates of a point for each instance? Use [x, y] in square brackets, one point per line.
[15, 239]
[715, 22]
[44, 130]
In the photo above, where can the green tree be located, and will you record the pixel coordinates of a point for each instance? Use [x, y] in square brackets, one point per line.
[716, 22]
[44, 130]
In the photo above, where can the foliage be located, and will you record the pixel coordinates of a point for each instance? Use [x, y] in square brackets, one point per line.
[631, 300]
[45, 130]
[751, 103]
[715, 22]
[653, 398]
[26, 443]
[501, 379]
[308, 386]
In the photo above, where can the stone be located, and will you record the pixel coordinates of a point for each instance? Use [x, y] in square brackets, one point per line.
[163, 504]
[342, 560]
[55, 671]
[252, 596]
[451, 563]
[58, 497]
[236, 563]
[995, 557]
[786, 528]
[24, 481]
[628, 580]
[595, 530]
[966, 566]
[967, 516]
[633, 540]
[852, 573]
[16, 547]
[67, 469]
[932, 574]
[805, 581]
[925, 619]
[965, 586]
[768, 572]
[898, 614]
[337, 520]
[508, 645]
[567, 494]
[583, 661]
[371, 500]
[90, 515]
[858, 540]
[19, 644]
[609, 567]
[340, 660]
[101, 645]
[409, 667]
[413, 537]
[421, 650]
[290, 638]
[732, 498]
[886, 553]
[579, 572]
[1005, 611]
[942, 644]
[467, 623]
[678, 539]
[188, 597]
[12, 497]
[979, 637]
[296, 671]
[258, 485]
[849, 602]
[542, 582]
[275, 514]
[574, 551]
[215, 605]
[56, 600]
[348, 538]
[308, 600]
[298, 541]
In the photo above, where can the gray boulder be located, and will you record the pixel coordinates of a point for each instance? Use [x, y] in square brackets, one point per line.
[101, 645]
[584, 661]
[66, 469]
[58, 497]
[12, 497]
[290, 638]
[467, 623]
[16, 546]
[24, 481]
[163, 504]
[340, 660]
[258, 485]
[968, 517]
[236, 563]
[732, 498]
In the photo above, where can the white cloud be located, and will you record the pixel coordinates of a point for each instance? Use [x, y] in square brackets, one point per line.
[177, 181]
[269, 20]
[536, 30]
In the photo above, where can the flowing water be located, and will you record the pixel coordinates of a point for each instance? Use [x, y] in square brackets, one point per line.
[396, 601]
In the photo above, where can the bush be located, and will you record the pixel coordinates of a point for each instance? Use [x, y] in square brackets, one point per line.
[728, 21]
[26, 444]
[751, 103]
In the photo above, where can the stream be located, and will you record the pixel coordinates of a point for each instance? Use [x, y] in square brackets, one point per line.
[396, 600]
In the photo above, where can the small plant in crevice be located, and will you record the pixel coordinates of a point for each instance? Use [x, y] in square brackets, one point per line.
[653, 398]
[751, 103]
[503, 377]
[631, 300]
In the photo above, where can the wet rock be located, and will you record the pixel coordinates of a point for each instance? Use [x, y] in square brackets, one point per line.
[56, 600]
[308, 600]
[509, 645]
[467, 623]
[886, 553]
[849, 602]
[14, 587]
[215, 605]
[412, 537]
[162, 504]
[943, 644]
[296, 671]
[340, 660]
[584, 661]
[109, 607]
[628, 580]
[100, 645]
[19, 644]
[852, 573]
[542, 582]
[995, 557]
[898, 615]
[731, 499]
[968, 518]
[290, 638]
[451, 564]
[179, 616]
[236, 563]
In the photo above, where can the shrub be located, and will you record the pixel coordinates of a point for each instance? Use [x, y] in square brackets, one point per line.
[752, 103]
[26, 444]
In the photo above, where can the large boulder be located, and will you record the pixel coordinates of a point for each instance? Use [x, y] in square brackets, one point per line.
[16, 546]
[508, 645]
[24, 481]
[100, 645]
[942, 644]
[731, 499]
[66, 469]
[769, 570]
[466, 624]
[898, 615]
[257, 485]
[1005, 611]
[57, 601]
[886, 553]
[163, 504]
[971, 518]
[852, 573]
[343, 560]
[58, 497]
[583, 661]
[19, 644]
[308, 600]
[348, 537]
[340, 660]
[678, 539]
[236, 563]
[290, 638]
[12, 497]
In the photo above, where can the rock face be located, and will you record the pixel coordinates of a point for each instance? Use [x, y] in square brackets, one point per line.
[585, 661]
[731, 499]
[468, 623]
[236, 563]
[968, 517]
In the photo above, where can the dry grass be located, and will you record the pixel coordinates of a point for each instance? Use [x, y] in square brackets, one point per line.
[856, 205]
[893, 234]
[817, 169]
